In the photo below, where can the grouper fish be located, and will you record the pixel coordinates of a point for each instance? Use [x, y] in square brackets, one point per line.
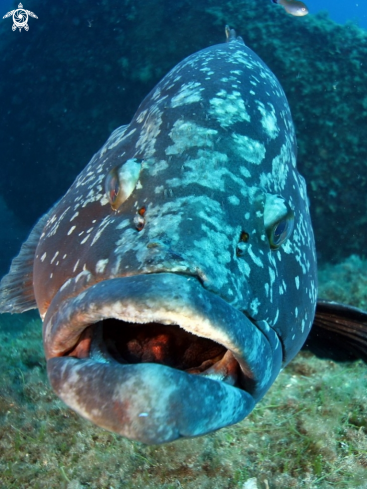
[177, 276]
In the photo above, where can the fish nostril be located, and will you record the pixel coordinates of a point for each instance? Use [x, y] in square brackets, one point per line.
[242, 242]
[139, 222]
[244, 236]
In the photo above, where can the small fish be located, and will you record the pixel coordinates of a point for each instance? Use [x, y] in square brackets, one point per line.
[293, 7]
[177, 276]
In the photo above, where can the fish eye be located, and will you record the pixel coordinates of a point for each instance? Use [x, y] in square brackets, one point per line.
[112, 187]
[278, 220]
[280, 232]
[121, 182]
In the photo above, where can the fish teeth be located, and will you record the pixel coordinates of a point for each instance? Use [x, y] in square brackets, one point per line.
[226, 370]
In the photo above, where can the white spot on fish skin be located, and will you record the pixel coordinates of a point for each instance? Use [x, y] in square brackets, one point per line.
[149, 132]
[296, 279]
[55, 255]
[64, 256]
[116, 138]
[76, 265]
[55, 222]
[268, 119]
[266, 290]
[141, 116]
[85, 274]
[249, 149]
[101, 265]
[189, 93]
[228, 108]
[71, 230]
[207, 170]
[43, 256]
[104, 200]
[157, 167]
[186, 134]
[159, 189]
[104, 223]
[51, 220]
[123, 224]
[272, 276]
[74, 216]
[276, 317]
[254, 306]
[234, 200]
[255, 258]
[244, 171]
[85, 239]
[66, 284]
[280, 169]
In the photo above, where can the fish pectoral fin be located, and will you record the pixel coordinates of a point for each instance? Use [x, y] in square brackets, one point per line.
[16, 288]
[339, 332]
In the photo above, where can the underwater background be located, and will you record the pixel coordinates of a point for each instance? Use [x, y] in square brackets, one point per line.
[78, 73]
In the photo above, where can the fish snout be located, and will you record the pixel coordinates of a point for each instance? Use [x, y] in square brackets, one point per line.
[157, 357]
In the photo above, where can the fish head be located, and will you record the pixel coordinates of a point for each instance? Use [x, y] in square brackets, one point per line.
[177, 276]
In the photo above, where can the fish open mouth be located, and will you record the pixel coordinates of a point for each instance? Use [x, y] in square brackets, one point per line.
[157, 357]
[131, 343]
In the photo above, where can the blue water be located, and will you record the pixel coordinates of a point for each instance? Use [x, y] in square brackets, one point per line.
[341, 10]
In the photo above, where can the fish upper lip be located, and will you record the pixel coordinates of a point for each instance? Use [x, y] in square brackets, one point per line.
[164, 300]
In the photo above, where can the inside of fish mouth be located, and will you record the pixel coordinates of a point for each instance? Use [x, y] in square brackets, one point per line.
[170, 345]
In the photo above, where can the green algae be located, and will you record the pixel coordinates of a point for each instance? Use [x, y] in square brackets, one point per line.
[345, 282]
[310, 430]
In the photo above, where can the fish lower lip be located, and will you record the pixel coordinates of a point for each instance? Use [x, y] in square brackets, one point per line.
[129, 380]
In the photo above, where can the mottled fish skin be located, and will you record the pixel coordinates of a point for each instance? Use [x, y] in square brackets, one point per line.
[209, 166]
